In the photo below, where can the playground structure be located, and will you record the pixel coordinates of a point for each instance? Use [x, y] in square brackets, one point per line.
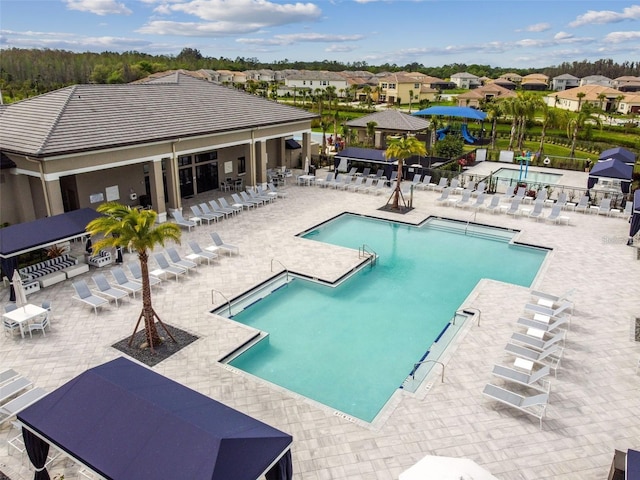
[465, 113]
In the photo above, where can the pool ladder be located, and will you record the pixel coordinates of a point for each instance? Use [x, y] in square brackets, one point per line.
[366, 251]
[213, 292]
[469, 221]
[282, 265]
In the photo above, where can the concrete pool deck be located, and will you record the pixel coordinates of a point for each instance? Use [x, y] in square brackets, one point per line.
[594, 402]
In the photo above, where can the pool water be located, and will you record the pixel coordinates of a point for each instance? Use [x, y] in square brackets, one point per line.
[532, 177]
[352, 346]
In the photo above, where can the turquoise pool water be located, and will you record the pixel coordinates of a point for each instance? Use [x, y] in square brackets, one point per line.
[532, 177]
[352, 346]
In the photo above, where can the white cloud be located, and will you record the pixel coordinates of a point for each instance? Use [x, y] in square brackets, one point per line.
[620, 37]
[607, 16]
[538, 27]
[195, 29]
[68, 41]
[99, 7]
[562, 36]
[299, 38]
[340, 48]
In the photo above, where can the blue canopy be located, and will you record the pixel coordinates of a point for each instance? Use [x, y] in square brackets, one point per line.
[619, 153]
[611, 168]
[124, 420]
[24, 237]
[463, 112]
[635, 215]
[362, 154]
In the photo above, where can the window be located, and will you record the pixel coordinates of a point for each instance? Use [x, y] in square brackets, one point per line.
[184, 160]
[310, 82]
[304, 82]
[416, 85]
[207, 156]
[242, 166]
[392, 85]
[384, 85]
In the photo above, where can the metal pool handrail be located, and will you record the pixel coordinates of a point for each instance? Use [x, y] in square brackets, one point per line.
[281, 264]
[213, 292]
[366, 251]
[415, 367]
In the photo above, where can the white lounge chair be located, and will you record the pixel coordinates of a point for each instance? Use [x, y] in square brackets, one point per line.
[124, 283]
[555, 215]
[534, 380]
[195, 247]
[549, 300]
[174, 258]
[514, 208]
[15, 406]
[8, 375]
[537, 343]
[356, 184]
[136, 272]
[216, 215]
[324, 182]
[442, 184]
[272, 188]
[251, 199]
[227, 247]
[455, 186]
[180, 220]
[424, 184]
[494, 204]
[604, 208]
[84, 295]
[509, 194]
[235, 207]
[479, 203]
[543, 326]
[582, 205]
[165, 268]
[534, 405]
[239, 202]
[13, 388]
[257, 194]
[444, 197]
[481, 188]
[202, 215]
[551, 356]
[220, 209]
[365, 186]
[537, 211]
[105, 288]
[564, 308]
[465, 201]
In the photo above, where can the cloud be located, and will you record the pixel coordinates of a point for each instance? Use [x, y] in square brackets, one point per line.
[562, 36]
[99, 7]
[620, 37]
[538, 27]
[299, 38]
[72, 42]
[340, 48]
[195, 29]
[607, 16]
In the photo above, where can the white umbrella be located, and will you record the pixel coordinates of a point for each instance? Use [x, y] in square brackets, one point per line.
[433, 467]
[18, 288]
[306, 165]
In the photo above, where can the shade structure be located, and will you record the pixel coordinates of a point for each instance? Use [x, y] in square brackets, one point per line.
[44, 232]
[611, 169]
[461, 112]
[123, 420]
[18, 288]
[619, 153]
[634, 221]
[434, 467]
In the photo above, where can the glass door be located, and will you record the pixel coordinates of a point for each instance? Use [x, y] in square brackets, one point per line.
[186, 182]
[207, 177]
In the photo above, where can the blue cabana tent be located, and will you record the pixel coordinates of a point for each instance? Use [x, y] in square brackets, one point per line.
[635, 217]
[125, 421]
[343, 159]
[462, 112]
[619, 153]
[611, 168]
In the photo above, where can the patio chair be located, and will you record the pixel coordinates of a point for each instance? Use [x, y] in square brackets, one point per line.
[564, 308]
[554, 215]
[195, 247]
[537, 211]
[272, 188]
[209, 212]
[465, 201]
[8, 375]
[479, 203]
[136, 272]
[442, 184]
[324, 182]
[509, 194]
[366, 172]
[378, 188]
[165, 268]
[365, 186]
[534, 380]
[174, 258]
[14, 387]
[582, 205]
[105, 288]
[549, 300]
[197, 212]
[180, 220]
[124, 283]
[84, 295]
[551, 356]
[534, 405]
[543, 326]
[424, 184]
[257, 194]
[355, 185]
[515, 206]
[494, 204]
[444, 197]
[605, 207]
[250, 196]
[40, 324]
[481, 188]
[220, 209]
[455, 186]
[15, 406]
[241, 203]
[227, 247]
[235, 207]
[337, 181]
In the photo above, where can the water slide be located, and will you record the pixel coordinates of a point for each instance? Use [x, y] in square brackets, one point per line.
[466, 135]
[442, 132]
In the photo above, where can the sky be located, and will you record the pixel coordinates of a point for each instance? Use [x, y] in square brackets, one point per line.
[513, 33]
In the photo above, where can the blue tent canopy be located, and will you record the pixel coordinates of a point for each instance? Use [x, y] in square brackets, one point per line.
[124, 420]
[619, 153]
[462, 112]
[611, 168]
[24, 237]
[635, 215]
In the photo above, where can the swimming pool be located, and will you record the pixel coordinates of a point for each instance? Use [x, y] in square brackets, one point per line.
[544, 178]
[352, 346]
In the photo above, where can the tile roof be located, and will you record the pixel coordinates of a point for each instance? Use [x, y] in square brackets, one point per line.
[91, 117]
[391, 120]
[591, 92]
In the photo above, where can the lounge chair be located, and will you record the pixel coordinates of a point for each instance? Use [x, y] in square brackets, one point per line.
[256, 201]
[465, 201]
[366, 172]
[202, 253]
[324, 182]
[227, 247]
[416, 180]
[481, 188]
[442, 184]
[224, 210]
[604, 208]
[494, 204]
[365, 186]
[455, 186]
[13, 388]
[105, 288]
[479, 203]
[124, 283]
[555, 215]
[537, 211]
[136, 272]
[272, 188]
[582, 205]
[352, 172]
[378, 188]
[509, 194]
[626, 213]
[256, 194]
[551, 356]
[165, 268]
[84, 295]
[15, 406]
[180, 220]
[534, 380]
[564, 308]
[175, 259]
[235, 207]
[240, 202]
[424, 184]
[544, 326]
[355, 185]
[212, 213]
[549, 300]
[537, 343]
[444, 197]
[202, 215]
[338, 179]
[8, 375]
[534, 405]
[471, 185]
[514, 208]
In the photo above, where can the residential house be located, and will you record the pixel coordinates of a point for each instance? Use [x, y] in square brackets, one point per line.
[150, 143]
[535, 82]
[629, 104]
[230, 77]
[398, 88]
[604, 98]
[264, 75]
[627, 83]
[564, 82]
[317, 79]
[465, 80]
[476, 97]
[600, 80]
[503, 82]
[512, 77]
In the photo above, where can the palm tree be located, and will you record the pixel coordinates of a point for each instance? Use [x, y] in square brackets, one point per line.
[401, 149]
[602, 97]
[371, 132]
[410, 99]
[494, 112]
[586, 114]
[367, 91]
[512, 107]
[529, 103]
[580, 96]
[123, 226]
[549, 119]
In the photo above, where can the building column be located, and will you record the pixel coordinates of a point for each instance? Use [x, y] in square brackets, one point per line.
[24, 198]
[173, 182]
[282, 152]
[261, 162]
[54, 194]
[306, 147]
[157, 189]
[250, 164]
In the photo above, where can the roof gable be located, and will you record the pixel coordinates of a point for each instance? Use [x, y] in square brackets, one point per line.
[391, 120]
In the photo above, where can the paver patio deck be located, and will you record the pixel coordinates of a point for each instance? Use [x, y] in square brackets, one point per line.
[594, 404]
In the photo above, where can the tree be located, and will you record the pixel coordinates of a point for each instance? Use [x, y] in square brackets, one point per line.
[601, 98]
[371, 132]
[401, 149]
[494, 112]
[549, 119]
[126, 227]
[410, 99]
[584, 116]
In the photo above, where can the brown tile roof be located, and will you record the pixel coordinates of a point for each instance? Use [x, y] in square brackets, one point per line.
[391, 120]
[591, 92]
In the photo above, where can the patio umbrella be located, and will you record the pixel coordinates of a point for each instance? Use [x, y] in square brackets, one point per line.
[21, 296]
[306, 165]
[433, 467]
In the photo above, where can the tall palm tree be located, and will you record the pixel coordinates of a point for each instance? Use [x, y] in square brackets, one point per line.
[401, 149]
[512, 106]
[601, 98]
[494, 112]
[576, 123]
[410, 99]
[529, 103]
[126, 227]
[549, 119]
[371, 132]
[367, 91]
[580, 96]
